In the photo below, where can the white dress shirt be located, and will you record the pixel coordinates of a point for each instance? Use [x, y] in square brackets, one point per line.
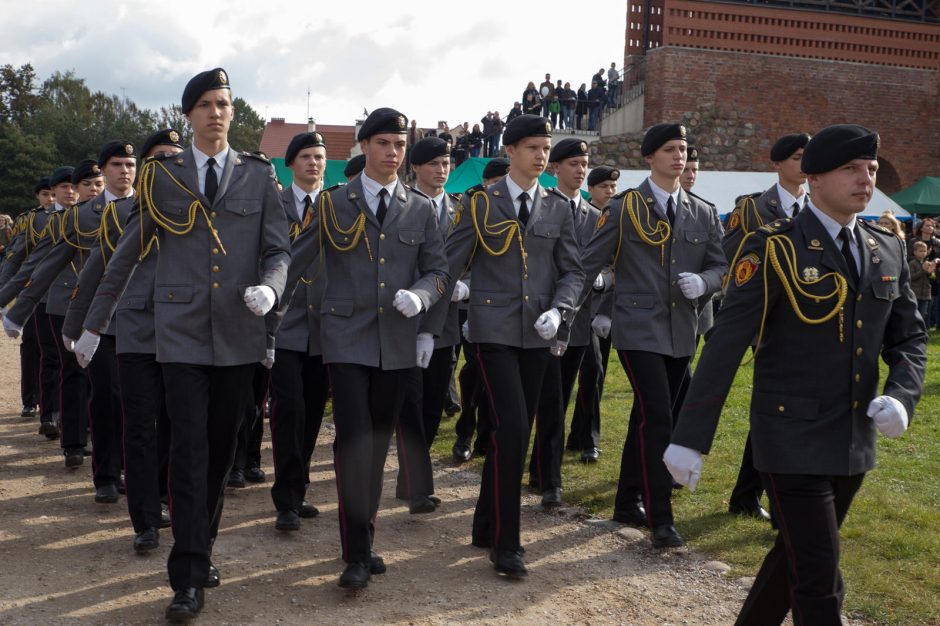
[787, 200]
[515, 190]
[834, 228]
[202, 159]
[662, 197]
[371, 188]
[300, 195]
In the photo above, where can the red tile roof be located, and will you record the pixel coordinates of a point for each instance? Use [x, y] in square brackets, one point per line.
[278, 133]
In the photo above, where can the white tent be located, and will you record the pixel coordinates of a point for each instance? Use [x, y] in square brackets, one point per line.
[721, 188]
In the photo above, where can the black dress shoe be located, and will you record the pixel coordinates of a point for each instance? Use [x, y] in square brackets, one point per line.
[236, 479]
[146, 540]
[753, 509]
[376, 564]
[49, 429]
[461, 451]
[106, 494]
[122, 486]
[509, 563]
[633, 515]
[452, 410]
[185, 605]
[355, 576]
[213, 579]
[287, 520]
[165, 521]
[307, 510]
[551, 498]
[590, 455]
[434, 499]
[86, 452]
[74, 457]
[666, 536]
[255, 475]
[421, 504]
[28, 411]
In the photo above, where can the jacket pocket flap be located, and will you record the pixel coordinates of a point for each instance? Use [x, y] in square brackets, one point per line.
[134, 304]
[546, 229]
[696, 236]
[242, 206]
[785, 405]
[343, 308]
[173, 293]
[885, 290]
[411, 237]
[636, 300]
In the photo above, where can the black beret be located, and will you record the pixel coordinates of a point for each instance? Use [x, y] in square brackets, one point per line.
[526, 125]
[85, 169]
[42, 183]
[428, 149]
[691, 154]
[384, 120]
[602, 174]
[658, 135]
[354, 165]
[301, 142]
[165, 137]
[496, 168]
[201, 83]
[119, 149]
[837, 145]
[784, 147]
[61, 175]
[567, 148]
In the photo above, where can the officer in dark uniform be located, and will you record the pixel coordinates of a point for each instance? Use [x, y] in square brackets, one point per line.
[518, 240]
[381, 247]
[825, 293]
[666, 247]
[785, 199]
[222, 263]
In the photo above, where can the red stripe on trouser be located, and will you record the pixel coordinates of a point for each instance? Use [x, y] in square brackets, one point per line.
[638, 397]
[785, 531]
[339, 482]
[61, 365]
[403, 462]
[494, 448]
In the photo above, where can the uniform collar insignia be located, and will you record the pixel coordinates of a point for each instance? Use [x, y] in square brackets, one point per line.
[815, 245]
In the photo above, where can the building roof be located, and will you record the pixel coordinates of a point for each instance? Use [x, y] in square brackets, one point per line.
[278, 133]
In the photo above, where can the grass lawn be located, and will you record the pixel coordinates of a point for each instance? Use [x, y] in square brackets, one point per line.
[890, 540]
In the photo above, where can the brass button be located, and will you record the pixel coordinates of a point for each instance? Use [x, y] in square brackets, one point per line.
[244, 210]
[215, 268]
[674, 240]
[858, 378]
[673, 305]
[525, 277]
[488, 301]
[213, 214]
[673, 261]
[310, 306]
[382, 285]
[673, 283]
[855, 404]
[859, 298]
[858, 324]
[382, 236]
[858, 352]
[526, 298]
[332, 310]
[381, 310]
[215, 250]
[382, 261]
[695, 240]
[215, 285]
[781, 408]
[169, 296]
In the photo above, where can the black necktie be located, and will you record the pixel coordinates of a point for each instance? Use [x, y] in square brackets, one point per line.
[846, 236]
[796, 209]
[212, 181]
[574, 209]
[383, 206]
[523, 209]
[308, 202]
[670, 211]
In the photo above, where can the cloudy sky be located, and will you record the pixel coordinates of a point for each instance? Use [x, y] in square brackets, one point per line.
[431, 60]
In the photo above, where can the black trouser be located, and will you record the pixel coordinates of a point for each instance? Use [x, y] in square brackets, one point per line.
[655, 379]
[415, 476]
[801, 571]
[366, 403]
[248, 446]
[512, 378]
[73, 391]
[29, 364]
[749, 486]
[206, 405]
[547, 450]
[48, 364]
[474, 412]
[146, 437]
[586, 421]
[105, 414]
[299, 388]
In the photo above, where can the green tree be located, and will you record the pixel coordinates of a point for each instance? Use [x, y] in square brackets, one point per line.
[17, 93]
[172, 117]
[26, 159]
[247, 127]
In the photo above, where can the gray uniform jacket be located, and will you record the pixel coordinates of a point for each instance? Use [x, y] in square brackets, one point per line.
[744, 219]
[812, 382]
[585, 219]
[508, 295]
[28, 229]
[31, 254]
[358, 323]
[300, 328]
[450, 335]
[199, 311]
[649, 311]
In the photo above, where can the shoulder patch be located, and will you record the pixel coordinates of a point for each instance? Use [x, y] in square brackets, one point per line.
[745, 269]
[734, 220]
[605, 214]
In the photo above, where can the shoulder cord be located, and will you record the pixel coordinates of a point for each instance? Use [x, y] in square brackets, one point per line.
[357, 230]
[506, 228]
[657, 236]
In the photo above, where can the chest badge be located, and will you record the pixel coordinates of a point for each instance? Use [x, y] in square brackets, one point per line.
[810, 274]
[875, 259]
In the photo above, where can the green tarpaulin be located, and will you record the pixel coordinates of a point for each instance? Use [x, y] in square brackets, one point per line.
[333, 174]
[922, 198]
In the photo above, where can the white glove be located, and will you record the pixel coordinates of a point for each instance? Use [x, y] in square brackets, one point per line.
[268, 361]
[11, 329]
[889, 415]
[692, 285]
[465, 330]
[425, 348]
[547, 324]
[69, 343]
[604, 280]
[461, 292]
[407, 303]
[685, 465]
[601, 326]
[559, 348]
[85, 347]
[259, 299]
[599, 282]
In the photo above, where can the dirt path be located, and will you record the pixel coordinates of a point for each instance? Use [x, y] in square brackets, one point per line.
[66, 559]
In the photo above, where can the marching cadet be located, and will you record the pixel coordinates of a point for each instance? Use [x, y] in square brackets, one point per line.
[223, 258]
[428, 387]
[299, 383]
[381, 247]
[666, 251]
[784, 199]
[473, 408]
[518, 240]
[57, 275]
[829, 292]
[146, 428]
[585, 433]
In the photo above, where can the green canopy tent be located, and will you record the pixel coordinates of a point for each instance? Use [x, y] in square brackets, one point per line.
[332, 176]
[921, 198]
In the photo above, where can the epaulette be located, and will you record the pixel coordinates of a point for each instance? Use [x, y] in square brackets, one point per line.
[777, 226]
[159, 156]
[756, 194]
[474, 189]
[336, 186]
[557, 193]
[252, 155]
[455, 197]
[875, 226]
[417, 191]
[622, 194]
[697, 197]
